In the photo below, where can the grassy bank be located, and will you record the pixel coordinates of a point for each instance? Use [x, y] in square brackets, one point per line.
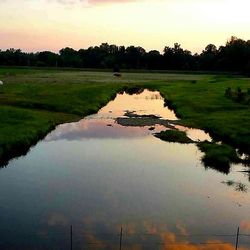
[32, 102]
[203, 105]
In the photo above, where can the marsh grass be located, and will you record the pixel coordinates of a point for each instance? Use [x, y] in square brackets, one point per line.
[218, 156]
[203, 105]
[174, 136]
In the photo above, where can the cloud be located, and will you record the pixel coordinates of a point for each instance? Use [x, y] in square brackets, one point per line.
[109, 1]
[171, 243]
[70, 2]
[182, 229]
[245, 226]
[92, 2]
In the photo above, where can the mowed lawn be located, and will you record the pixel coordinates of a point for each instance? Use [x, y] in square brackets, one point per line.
[32, 102]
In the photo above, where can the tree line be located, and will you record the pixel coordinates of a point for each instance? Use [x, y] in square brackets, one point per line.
[234, 56]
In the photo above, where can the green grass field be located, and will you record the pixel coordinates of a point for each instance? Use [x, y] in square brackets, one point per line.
[32, 102]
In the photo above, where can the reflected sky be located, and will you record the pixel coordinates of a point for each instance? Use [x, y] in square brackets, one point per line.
[99, 176]
[147, 102]
[195, 134]
[93, 128]
[103, 124]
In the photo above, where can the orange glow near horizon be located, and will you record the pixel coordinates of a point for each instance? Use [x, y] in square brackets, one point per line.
[53, 24]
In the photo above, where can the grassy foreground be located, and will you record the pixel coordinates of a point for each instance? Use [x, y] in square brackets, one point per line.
[32, 102]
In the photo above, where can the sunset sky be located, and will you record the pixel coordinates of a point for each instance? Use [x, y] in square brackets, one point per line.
[36, 25]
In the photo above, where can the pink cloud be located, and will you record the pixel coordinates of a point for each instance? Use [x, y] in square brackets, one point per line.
[110, 1]
[72, 2]
[245, 226]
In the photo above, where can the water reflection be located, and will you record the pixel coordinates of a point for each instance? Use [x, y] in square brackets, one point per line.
[195, 134]
[100, 176]
[103, 125]
[147, 104]
[238, 186]
[94, 128]
[148, 235]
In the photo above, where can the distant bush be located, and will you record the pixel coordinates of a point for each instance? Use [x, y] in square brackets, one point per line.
[238, 95]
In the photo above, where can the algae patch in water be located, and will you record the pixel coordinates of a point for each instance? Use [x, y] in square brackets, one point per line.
[143, 122]
[132, 119]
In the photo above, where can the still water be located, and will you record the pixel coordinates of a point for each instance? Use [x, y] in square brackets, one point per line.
[100, 176]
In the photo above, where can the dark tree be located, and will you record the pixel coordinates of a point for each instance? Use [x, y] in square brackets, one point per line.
[234, 57]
